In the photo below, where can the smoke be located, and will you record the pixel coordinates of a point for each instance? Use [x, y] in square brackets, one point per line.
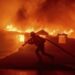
[47, 13]
[8, 9]
[26, 16]
[36, 13]
[58, 13]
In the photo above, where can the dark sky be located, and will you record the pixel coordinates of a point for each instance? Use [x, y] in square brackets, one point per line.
[48, 13]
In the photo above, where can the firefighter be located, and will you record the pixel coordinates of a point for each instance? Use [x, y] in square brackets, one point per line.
[39, 42]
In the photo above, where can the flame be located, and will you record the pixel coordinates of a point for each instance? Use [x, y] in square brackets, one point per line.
[68, 32]
[21, 38]
[12, 28]
[52, 32]
[30, 30]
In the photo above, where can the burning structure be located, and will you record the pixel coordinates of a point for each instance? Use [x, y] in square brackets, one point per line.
[43, 33]
[25, 16]
[33, 15]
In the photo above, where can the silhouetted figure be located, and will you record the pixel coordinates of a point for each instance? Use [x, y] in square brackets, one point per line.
[39, 42]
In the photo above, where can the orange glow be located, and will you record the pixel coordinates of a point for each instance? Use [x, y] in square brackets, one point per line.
[29, 30]
[42, 36]
[12, 28]
[54, 32]
[50, 31]
[68, 32]
[21, 38]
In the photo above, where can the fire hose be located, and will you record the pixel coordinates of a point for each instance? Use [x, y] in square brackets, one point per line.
[60, 48]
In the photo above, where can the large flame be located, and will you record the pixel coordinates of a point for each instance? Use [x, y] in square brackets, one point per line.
[68, 32]
[12, 28]
[52, 32]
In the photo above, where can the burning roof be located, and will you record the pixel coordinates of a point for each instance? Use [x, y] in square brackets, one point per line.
[43, 32]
